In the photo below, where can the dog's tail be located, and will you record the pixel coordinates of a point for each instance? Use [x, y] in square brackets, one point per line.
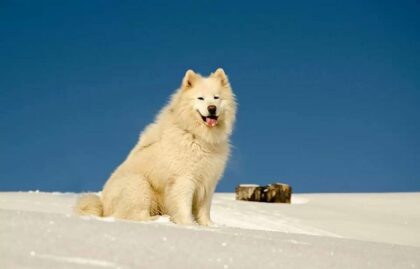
[89, 204]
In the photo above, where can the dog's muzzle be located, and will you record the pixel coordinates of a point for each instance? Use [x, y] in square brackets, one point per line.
[210, 120]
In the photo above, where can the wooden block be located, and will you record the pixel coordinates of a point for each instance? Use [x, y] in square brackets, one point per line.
[273, 193]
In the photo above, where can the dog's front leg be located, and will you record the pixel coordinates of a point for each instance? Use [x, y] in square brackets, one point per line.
[179, 194]
[202, 213]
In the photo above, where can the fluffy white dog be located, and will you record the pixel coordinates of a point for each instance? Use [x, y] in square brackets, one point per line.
[175, 166]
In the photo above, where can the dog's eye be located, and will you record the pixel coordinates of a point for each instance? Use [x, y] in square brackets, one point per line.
[200, 98]
[216, 97]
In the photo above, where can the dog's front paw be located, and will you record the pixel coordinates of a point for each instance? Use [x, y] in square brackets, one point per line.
[205, 222]
[182, 221]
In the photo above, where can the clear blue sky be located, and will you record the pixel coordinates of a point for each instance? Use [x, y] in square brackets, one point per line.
[329, 92]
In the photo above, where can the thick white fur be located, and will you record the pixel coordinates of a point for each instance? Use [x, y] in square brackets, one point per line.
[175, 166]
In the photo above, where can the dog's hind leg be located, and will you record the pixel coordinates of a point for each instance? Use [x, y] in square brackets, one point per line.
[135, 199]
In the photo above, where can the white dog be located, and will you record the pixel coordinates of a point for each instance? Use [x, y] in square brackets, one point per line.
[175, 166]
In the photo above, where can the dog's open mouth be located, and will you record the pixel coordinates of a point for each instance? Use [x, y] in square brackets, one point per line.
[210, 121]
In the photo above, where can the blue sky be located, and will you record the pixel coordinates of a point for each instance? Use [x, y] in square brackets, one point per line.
[329, 92]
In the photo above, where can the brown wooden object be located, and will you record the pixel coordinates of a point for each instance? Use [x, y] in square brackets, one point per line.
[273, 193]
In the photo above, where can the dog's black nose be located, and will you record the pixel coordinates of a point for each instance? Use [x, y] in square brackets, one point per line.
[212, 109]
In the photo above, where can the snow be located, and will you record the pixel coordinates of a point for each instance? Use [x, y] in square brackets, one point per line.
[249, 185]
[39, 230]
[74, 260]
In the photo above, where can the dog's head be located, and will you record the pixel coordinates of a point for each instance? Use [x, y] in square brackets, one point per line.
[206, 105]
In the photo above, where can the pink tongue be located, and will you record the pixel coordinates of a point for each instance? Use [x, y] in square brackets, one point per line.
[211, 122]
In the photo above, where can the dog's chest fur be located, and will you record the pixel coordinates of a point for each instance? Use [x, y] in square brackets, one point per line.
[194, 156]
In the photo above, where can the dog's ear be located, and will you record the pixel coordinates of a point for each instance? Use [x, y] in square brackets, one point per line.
[189, 79]
[220, 74]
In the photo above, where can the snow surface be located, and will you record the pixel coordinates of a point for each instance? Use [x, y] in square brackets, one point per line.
[39, 230]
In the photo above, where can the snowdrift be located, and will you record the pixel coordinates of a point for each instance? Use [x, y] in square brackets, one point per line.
[39, 230]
